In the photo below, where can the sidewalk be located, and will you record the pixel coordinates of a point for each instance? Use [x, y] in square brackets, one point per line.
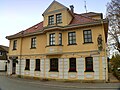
[85, 85]
[64, 84]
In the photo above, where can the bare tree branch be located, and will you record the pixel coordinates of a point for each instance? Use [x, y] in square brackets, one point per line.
[113, 15]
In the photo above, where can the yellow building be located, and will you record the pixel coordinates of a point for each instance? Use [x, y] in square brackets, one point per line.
[65, 46]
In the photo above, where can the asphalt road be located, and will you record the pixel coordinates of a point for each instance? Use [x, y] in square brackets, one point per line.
[8, 83]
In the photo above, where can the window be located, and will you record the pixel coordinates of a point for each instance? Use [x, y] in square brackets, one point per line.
[60, 38]
[51, 20]
[1, 53]
[52, 39]
[54, 64]
[72, 65]
[87, 36]
[37, 68]
[33, 42]
[14, 44]
[58, 18]
[27, 67]
[89, 64]
[72, 38]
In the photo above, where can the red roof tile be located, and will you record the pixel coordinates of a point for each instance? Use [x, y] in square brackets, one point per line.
[34, 28]
[80, 19]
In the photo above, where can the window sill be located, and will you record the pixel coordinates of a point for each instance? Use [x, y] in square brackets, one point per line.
[27, 69]
[53, 45]
[53, 71]
[37, 70]
[33, 48]
[72, 71]
[72, 44]
[14, 49]
[88, 43]
[59, 23]
[88, 71]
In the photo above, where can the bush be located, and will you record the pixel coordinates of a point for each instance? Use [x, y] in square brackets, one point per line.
[115, 64]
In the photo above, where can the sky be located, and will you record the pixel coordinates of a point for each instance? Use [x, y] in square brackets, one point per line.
[18, 15]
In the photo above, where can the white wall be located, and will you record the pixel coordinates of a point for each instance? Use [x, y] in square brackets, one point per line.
[80, 68]
[66, 68]
[96, 67]
[9, 67]
[63, 69]
[2, 65]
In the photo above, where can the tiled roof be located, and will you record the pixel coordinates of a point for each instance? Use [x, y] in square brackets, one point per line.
[80, 19]
[77, 19]
[89, 14]
[4, 48]
[34, 28]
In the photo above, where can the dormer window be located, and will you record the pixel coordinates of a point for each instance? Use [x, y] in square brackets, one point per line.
[58, 18]
[51, 20]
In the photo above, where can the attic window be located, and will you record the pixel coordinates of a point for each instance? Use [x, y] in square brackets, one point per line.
[58, 18]
[51, 20]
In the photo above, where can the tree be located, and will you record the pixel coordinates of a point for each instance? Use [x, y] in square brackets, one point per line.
[115, 61]
[113, 15]
[115, 64]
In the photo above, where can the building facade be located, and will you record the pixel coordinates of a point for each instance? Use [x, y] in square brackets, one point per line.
[3, 58]
[65, 45]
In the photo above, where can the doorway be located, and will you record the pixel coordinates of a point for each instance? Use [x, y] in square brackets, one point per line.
[14, 66]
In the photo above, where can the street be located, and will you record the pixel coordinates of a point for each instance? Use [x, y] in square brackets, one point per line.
[8, 83]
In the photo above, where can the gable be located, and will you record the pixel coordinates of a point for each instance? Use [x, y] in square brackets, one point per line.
[54, 6]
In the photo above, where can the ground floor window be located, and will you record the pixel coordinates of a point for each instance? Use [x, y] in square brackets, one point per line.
[89, 64]
[37, 65]
[54, 64]
[27, 67]
[72, 65]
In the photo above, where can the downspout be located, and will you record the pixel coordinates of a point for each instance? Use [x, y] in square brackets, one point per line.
[106, 68]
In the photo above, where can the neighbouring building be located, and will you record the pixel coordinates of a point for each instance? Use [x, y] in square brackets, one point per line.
[65, 45]
[3, 58]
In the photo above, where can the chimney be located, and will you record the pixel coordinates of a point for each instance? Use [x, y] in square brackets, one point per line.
[72, 8]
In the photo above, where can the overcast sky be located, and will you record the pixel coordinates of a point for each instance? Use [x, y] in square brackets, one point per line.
[18, 15]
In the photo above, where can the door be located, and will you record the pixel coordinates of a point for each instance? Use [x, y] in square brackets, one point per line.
[13, 66]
